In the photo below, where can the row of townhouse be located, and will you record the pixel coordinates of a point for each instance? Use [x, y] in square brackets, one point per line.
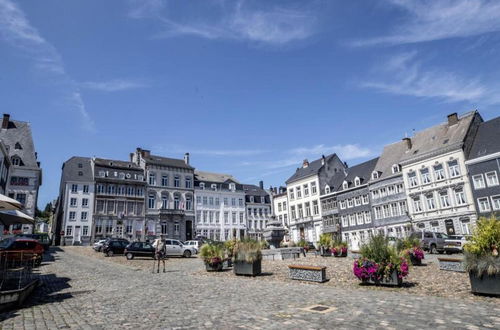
[150, 195]
[440, 179]
[20, 172]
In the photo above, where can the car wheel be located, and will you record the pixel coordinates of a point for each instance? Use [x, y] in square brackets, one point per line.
[130, 256]
[109, 253]
[433, 249]
[187, 254]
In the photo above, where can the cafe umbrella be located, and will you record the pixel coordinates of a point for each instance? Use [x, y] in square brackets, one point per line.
[13, 217]
[7, 203]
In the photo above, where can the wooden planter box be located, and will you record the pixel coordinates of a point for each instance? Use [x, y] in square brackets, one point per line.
[485, 285]
[415, 261]
[214, 268]
[245, 268]
[308, 273]
[392, 280]
[451, 264]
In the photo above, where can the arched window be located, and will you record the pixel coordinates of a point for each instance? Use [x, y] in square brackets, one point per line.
[164, 201]
[189, 202]
[345, 185]
[16, 161]
[374, 175]
[327, 189]
[357, 181]
[151, 200]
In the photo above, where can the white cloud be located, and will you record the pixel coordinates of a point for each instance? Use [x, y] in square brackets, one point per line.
[272, 25]
[17, 30]
[345, 152]
[115, 85]
[404, 74]
[435, 20]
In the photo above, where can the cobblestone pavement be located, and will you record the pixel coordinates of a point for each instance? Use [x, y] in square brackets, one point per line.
[89, 293]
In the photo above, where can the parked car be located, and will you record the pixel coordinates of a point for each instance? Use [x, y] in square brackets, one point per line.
[176, 248]
[139, 249]
[431, 241]
[42, 238]
[455, 244]
[195, 244]
[114, 246]
[18, 249]
[98, 245]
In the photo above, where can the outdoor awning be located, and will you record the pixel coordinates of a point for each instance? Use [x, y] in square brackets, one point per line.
[7, 203]
[12, 217]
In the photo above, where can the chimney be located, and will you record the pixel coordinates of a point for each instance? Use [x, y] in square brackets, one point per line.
[131, 156]
[408, 143]
[452, 119]
[144, 153]
[322, 159]
[305, 164]
[186, 158]
[5, 121]
[261, 184]
[345, 165]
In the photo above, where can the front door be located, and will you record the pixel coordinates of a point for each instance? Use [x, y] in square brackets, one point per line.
[77, 237]
[189, 230]
[450, 229]
[301, 234]
[119, 231]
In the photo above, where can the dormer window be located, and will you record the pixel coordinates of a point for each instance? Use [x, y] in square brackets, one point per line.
[345, 185]
[262, 199]
[251, 199]
[102, 174]
[16, 161]
[232, 186]
[202, 185]
[357, 181]
[375, 175]
[327, 189]
[396, 168]
[213, 186]
[18, 146]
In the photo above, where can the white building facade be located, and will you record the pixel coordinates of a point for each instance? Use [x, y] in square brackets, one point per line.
[219, 206]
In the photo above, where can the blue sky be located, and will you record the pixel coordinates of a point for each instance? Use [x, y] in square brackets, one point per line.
[249, 88]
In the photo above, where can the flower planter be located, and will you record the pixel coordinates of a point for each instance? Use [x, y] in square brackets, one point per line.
[214, 267]
[392, 280]
[325, 252]
[226, 264]
[415, 261]
[246, 268]
[485, 284]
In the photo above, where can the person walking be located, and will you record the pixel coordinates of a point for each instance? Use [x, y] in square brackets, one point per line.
[160, 247]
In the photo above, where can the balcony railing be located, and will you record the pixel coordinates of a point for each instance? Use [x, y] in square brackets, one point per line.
[172, 212]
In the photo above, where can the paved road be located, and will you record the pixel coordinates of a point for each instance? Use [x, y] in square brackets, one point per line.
[86, 293]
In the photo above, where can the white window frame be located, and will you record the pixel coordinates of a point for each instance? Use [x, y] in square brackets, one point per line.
[488, 181]
[486, 207]
[474, 181]
[493, 198]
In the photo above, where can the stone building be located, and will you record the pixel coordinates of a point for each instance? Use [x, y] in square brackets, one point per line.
[387, 191]
[353, 198]
[483, 166]
[25, 174]
[258, 205]
[4, 168]
[279, 205]
[329, 205]
[303, 189]
[220, 206]
[169, 195]
[439, 195]
[119, 200]
[75, 209]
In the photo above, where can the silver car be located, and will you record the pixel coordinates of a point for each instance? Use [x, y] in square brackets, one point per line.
[194, 244]
[98, 245]
[176, 248]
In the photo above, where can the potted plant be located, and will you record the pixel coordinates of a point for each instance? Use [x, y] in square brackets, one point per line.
[339, 249]
[380, 264]
[247, 258]
[264, 244]
[229, 251]
[481, 257]
[212, 255]
[409, 248]
[325, 241]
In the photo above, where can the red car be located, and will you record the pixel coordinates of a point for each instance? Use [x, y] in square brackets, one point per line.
[20, 251]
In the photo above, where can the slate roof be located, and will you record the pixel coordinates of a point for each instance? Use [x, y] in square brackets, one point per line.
[438, 137]
[253, 190]
[116, 164]
[70, 169]
[20, 132]
[214, 177]
[336, 180]
[487, 140]
[165, 161]
[313, 168]
[362, 171]
[390, 156]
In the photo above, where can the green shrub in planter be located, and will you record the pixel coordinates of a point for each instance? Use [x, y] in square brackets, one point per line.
[212, 255]
[325, 242]
[247, 258]
[410, 249]
[482, 259]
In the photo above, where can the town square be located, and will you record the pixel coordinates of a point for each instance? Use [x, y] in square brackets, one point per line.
[248, 164]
